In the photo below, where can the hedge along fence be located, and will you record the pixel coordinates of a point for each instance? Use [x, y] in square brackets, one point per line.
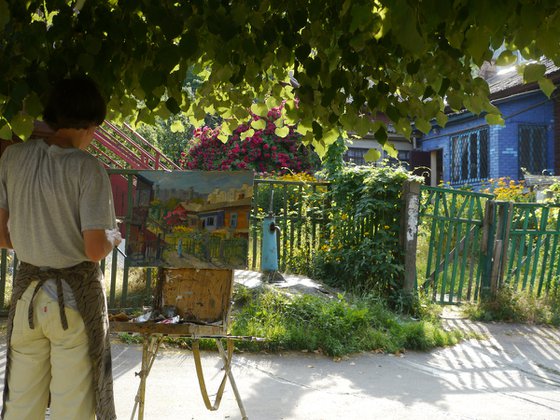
[363, 251]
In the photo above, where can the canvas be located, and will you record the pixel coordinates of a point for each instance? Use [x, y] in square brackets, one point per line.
[190, 219]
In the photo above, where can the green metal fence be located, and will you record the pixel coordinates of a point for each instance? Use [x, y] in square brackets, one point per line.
[470, 245]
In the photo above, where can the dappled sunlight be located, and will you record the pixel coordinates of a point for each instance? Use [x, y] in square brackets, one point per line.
[508, 371]
[249, 279]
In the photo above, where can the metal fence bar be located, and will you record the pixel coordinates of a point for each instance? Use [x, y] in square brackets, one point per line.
[299, 217]
[468, 235]
[528, 259]
[113, 288]
[459, 240]
[544, 269]
[253, 221]
[461, 237]
[541, 237]
[130, 203]
[451, 228]
[432, 241]
[474, 273]
[521, 251]
[284, 219]
[440, 229]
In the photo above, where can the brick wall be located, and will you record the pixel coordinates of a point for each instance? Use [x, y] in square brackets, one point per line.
[503, 159]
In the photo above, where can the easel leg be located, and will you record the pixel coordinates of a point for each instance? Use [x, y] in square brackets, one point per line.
[150, 348]
[227, 364]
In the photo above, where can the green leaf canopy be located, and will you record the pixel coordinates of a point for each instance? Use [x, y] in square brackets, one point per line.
[336, 63]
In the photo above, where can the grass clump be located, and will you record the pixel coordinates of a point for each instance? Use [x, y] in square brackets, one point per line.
[335, 326]
[511, 305]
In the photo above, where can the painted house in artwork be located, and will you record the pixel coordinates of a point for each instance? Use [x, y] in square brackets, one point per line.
[194, 219]
[469, 151]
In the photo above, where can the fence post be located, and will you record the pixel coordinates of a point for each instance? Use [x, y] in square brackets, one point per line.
[504, 214]
[409, 232]
[487, 249]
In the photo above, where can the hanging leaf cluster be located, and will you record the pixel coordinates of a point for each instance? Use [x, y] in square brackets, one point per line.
[337, 63]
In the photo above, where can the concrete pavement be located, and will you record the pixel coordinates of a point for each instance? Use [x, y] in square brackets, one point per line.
[514, 373]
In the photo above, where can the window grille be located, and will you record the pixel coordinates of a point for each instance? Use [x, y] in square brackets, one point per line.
[532, 149]
[469, 156]
[355, 155]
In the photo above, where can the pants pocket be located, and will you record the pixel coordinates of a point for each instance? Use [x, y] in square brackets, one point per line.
[20, 326]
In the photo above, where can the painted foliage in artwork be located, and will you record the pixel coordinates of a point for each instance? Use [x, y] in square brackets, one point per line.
[194, 219]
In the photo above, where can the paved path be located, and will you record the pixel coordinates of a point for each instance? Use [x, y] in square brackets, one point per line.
[513, 374]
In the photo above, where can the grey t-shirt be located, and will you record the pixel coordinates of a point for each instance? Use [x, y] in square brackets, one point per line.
[52, 195]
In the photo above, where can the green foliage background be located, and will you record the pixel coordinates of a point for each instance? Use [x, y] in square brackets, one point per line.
[344, 60]
[362, 253]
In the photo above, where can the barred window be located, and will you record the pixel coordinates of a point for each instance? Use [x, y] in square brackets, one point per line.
[469, 156]
[355, 155]
[532, 148]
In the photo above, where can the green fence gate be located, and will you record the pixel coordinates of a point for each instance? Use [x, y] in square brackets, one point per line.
[470, 245]
[451, 256]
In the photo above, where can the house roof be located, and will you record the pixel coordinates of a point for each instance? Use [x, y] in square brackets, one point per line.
[510, 83]
[532, 180]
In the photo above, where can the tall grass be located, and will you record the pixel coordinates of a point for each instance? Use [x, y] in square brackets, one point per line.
[514, 305]
[335, 326]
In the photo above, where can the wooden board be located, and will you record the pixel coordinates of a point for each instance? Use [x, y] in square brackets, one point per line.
[200, 295]
[187, 329]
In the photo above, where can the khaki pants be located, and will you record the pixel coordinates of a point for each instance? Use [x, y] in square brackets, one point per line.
[48, 358]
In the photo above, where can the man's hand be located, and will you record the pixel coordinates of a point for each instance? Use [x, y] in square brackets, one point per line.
[114, 236]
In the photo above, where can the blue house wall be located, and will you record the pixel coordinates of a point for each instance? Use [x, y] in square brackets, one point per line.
[503, 141]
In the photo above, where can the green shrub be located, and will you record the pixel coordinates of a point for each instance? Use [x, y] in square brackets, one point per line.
[363, 252]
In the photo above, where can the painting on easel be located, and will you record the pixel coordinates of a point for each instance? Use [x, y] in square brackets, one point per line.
[191, 219]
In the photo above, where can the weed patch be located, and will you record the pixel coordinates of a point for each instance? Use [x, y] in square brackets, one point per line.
[518, 306]
[335, 327]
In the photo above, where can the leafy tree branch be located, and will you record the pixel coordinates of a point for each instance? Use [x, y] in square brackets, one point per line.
[351, 58]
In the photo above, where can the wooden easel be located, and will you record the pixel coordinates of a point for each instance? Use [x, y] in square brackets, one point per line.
[204, 297]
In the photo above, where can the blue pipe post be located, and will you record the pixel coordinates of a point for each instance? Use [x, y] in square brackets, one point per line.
[269, 251]
[269, 254]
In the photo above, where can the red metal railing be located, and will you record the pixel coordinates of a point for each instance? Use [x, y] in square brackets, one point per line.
[118, 150]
